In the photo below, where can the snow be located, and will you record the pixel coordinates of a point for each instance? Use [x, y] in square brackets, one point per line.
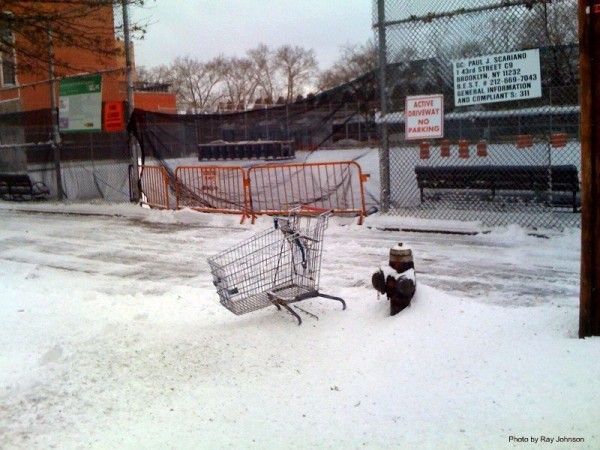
[112, 336]
[412, 223]
[390, 272]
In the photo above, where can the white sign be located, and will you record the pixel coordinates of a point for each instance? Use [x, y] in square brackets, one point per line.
[80, 107]
[502, 77]
[424, 117]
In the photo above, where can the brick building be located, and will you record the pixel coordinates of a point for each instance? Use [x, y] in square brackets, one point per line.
[23, 83]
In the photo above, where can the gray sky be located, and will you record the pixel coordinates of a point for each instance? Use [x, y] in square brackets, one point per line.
[206, 28]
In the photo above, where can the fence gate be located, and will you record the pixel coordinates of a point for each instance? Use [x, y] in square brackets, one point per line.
[479, 110]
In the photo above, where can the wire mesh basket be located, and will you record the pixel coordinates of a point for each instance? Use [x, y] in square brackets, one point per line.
[275, 267]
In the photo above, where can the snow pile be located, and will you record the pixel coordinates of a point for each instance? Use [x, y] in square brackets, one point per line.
[389, 272]
[417, 223]
[112, 336]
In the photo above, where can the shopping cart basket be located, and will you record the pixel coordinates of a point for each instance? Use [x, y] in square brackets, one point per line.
[276, 267]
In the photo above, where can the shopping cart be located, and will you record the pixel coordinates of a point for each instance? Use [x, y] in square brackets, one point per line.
[276, 267]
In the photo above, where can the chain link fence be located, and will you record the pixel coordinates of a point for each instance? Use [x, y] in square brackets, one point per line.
[93, 165]
[341, 117]
[480, 113]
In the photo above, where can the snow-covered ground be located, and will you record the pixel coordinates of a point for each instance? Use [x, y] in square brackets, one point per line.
[112, 336]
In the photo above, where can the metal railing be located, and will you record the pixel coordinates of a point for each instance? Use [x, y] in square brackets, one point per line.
[212, 189]
[269, 189]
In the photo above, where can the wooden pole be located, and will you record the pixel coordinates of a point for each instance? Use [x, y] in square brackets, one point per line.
[589, 45]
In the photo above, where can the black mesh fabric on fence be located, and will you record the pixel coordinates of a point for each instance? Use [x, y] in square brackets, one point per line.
[343, 116]
[508, 78]
[343, 113]
[93, 164]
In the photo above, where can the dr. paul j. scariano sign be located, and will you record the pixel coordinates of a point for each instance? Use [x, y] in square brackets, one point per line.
[497, 78]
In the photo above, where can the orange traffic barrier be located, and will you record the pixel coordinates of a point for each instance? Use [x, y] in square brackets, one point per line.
[463, 149]
[212, 189]
[558, 140]
[279, 188]
[482, 149]
[524, 141]
[424, 150]
[154, 181]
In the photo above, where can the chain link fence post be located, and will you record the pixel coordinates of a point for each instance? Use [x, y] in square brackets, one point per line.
[384, 151]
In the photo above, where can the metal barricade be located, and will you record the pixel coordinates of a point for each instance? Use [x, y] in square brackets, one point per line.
[279, 188]
[155, 186]
[212, 189]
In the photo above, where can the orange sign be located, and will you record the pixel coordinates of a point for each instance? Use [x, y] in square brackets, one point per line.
[114, 116]
[558, 140]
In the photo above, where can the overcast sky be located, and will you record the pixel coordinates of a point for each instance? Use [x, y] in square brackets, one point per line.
[206, 28]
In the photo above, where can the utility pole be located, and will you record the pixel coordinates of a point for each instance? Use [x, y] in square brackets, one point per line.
[384, 151]
[56, 141]
[135, 181]
[589, 58]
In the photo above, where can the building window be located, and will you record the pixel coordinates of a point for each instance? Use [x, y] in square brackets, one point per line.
[8, 74]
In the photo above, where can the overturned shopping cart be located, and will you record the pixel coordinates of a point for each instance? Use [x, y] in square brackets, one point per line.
[276, 267]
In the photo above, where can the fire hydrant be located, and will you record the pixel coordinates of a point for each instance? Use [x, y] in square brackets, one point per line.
[397, 280]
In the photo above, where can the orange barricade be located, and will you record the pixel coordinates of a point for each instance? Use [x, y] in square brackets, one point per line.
[558, 140]
[524, 141]
[213, 189]
[482, 148]
[336, 186]
[463, 149]
[155, 186]
[445, 148]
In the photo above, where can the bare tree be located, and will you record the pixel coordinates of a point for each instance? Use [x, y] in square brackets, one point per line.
[554, 26]
[196, 83]
[157, 74]
[355, 61]
[239, 83]
[549, 26]
[265, 71]
[78, 24]
[298, 66]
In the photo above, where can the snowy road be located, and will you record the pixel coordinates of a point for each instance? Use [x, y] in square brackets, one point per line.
[112, 337]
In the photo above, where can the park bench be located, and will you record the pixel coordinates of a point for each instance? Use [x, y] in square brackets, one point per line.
[19, 187]
[539, 180]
